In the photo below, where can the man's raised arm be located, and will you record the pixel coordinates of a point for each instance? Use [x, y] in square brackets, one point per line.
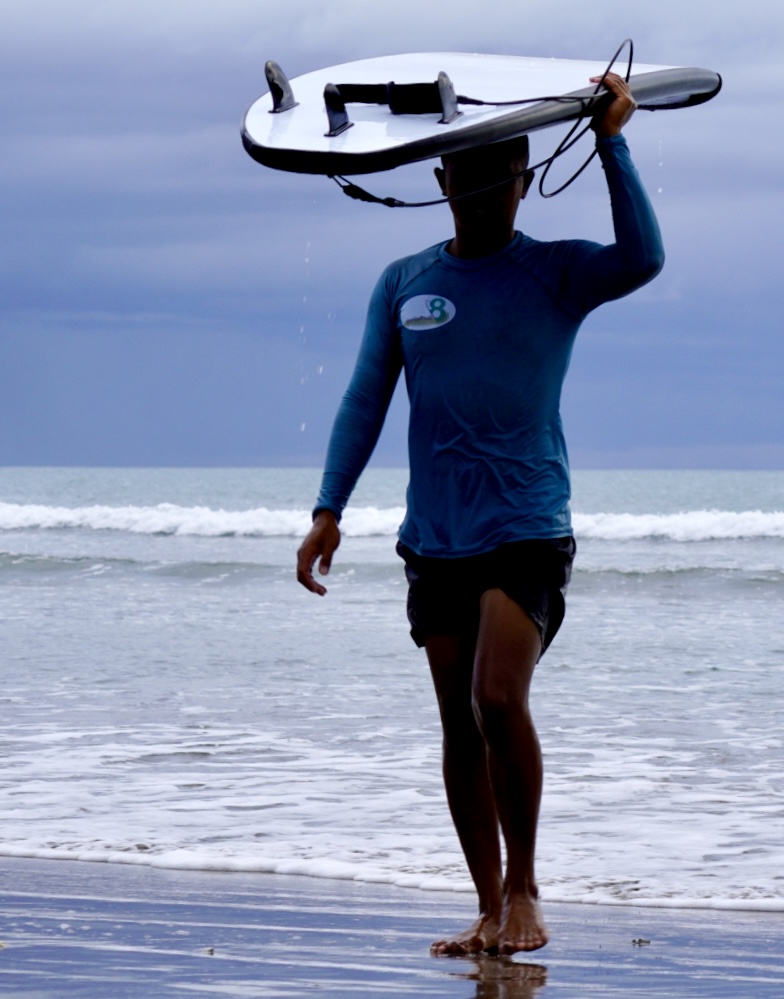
[637, 255]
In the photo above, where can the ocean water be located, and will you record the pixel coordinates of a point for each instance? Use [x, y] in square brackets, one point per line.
[170, 696]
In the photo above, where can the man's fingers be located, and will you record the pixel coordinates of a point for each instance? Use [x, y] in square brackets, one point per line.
[616, 86]
[306, 558]
[612, 81]
[610, 119]
[316, 587]
[305, 578]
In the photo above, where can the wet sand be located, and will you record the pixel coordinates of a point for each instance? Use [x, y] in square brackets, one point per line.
[109, 931]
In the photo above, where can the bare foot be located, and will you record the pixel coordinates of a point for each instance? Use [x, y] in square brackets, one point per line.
[522, 926]
[481, 935]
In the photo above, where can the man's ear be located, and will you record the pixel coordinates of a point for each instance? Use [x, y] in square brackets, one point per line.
[528, 179]
[441, 178]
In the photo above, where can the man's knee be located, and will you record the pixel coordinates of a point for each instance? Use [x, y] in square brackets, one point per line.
[497, 709]
[507, 651]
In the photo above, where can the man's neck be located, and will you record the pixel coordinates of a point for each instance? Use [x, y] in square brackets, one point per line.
[469, 244]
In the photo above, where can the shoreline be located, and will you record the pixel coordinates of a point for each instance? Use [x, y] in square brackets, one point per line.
[298, 869]
[97, 929]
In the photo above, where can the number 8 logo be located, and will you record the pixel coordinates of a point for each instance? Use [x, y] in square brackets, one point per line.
[436, 308]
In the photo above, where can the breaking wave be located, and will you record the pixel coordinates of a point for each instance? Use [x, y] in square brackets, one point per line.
[369, 521]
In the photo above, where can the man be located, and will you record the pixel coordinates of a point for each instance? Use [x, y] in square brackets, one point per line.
[483, 326]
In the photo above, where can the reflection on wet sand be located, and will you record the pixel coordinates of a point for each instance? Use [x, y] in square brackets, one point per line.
[502, 978]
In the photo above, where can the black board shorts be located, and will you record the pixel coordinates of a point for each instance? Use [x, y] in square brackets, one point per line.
[443, 593]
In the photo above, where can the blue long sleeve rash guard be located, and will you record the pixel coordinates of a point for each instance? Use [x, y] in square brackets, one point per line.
[485, 345]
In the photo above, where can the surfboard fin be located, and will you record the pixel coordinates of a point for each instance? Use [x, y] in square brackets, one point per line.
[336, 111]
[280, 88]
[449, 108]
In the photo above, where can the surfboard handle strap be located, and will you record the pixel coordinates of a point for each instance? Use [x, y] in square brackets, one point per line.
[408, 98]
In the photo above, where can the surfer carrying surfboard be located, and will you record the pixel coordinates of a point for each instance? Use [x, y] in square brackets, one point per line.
[483, 326]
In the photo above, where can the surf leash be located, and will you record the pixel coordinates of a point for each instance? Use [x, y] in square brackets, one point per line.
[576, 132]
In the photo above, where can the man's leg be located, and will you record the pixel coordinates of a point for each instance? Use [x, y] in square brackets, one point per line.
[507, 650]
[468, 790]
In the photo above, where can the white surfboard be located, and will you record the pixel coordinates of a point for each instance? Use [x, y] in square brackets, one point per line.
[350, 119]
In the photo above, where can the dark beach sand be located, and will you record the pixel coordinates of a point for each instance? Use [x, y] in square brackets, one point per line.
[102, 931]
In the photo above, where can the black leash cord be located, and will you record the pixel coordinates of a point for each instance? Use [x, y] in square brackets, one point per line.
[570, 138]
[360, 194]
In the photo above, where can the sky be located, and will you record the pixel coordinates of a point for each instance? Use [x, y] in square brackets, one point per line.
[164, 300]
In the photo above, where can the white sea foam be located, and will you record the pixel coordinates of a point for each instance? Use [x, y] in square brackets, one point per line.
[619, 826]
[692, 525]
[198, 521]
[369, 521]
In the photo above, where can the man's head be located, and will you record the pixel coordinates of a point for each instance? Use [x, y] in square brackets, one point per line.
[500, 166]
[483, 166]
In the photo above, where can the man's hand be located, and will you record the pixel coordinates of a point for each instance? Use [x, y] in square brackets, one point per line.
[614, 115]
[321, 542]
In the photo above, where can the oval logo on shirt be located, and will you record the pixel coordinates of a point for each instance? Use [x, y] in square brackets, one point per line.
[427, 312]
